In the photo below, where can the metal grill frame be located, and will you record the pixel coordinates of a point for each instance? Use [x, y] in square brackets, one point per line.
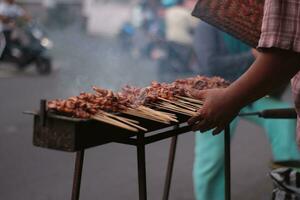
[76, 135]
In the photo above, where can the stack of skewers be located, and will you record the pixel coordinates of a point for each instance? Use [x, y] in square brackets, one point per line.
[158, 102]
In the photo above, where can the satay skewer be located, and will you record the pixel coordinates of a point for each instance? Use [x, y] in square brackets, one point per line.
[119, 117]
[177, 103]
[197, 106]
[176, 107]
[113, 122]
[157, 113]
[175, 110]
[142, 115]
[129, 123]
[190, 99]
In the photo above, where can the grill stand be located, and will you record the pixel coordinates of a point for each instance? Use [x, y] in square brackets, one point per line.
[77, 175]
[227, 165]
[141, 143]
[141, 160]
[170, 167]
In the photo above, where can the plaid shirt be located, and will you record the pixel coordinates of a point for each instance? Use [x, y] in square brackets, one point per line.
[281, 29]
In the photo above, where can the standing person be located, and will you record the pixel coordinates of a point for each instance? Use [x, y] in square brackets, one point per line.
[9, 11]
[180, 25]
[219, 54]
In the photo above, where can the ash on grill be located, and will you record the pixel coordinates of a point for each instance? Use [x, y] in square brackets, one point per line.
[158, 102]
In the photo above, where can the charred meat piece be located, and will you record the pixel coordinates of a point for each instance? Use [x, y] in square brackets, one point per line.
[87, 104]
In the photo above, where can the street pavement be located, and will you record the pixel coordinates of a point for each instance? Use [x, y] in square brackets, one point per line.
[110, 171]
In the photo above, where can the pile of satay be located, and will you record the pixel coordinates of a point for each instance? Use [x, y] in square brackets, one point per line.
[158, 102]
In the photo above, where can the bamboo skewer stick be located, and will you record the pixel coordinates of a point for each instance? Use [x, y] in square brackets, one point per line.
[142, 115]
[183, 105]
[174, 110]
[124, 120]
[159, 118]
[137, 126]
[118, 123]
[178, 103]
[158, 113]
[113, 122]
[197, 106]
[119, 117]
[190, 99]
[132, 124]
[169, 114]
[176, 107]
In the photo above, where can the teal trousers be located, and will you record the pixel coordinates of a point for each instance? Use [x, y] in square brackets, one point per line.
[208, 171]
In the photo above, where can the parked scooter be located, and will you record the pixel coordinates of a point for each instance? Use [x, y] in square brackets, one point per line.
[28, 44]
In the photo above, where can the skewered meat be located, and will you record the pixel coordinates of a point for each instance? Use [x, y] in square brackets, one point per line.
[87, 104]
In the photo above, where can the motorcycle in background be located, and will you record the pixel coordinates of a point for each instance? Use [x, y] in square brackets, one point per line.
[28, 45]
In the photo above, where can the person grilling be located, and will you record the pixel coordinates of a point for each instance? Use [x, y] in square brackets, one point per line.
[219, 54]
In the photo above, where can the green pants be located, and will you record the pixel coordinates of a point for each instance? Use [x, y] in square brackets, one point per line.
[209, 150]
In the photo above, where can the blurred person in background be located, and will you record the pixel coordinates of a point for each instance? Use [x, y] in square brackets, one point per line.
[219, 54]
[179, 23]
[179, 28]
[144, 30]
[9, 13]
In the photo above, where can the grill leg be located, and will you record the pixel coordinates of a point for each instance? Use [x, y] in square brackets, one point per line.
[77, 175]
[227, 163]
[141, 167]
[170, 167]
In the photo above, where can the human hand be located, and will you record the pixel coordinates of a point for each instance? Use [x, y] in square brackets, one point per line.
[218, 110]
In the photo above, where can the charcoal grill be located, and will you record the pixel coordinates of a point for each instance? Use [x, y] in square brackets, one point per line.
[76, 135]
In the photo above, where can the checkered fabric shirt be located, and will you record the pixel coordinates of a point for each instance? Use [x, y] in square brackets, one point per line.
[281, 29]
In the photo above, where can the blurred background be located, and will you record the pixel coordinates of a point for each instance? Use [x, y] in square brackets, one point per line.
[64, 47]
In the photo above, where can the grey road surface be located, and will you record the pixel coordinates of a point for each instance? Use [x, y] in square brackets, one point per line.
[110, 171]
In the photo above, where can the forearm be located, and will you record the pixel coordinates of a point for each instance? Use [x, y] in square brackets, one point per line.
[270, 70]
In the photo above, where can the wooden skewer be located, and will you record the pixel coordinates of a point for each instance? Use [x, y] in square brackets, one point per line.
[131, 124]
[154, 114]
[174, 110]
[157, 113]
[190, 99]
[152, 117]
[117, 123]
[179, 109]
[174, 107]
[169, 114]
[139, 114]
[156, 117]
[119, 117]
[177, 103]
[137, 126]
[113, 122]
[197, 106]
[170, 109]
